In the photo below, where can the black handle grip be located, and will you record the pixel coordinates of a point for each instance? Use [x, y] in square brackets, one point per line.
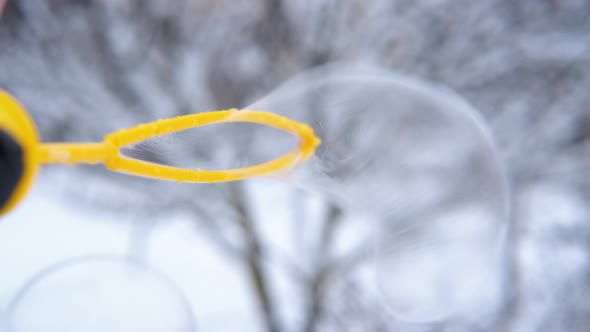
[11, 166]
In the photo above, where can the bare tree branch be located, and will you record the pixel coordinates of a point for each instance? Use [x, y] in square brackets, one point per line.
[254, 259]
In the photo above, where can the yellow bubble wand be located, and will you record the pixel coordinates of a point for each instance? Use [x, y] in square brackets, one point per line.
[15, 121]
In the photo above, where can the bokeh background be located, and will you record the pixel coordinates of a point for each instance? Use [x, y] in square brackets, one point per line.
[261, 256]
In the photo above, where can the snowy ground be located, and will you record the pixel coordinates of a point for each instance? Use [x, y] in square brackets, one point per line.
[44, 231]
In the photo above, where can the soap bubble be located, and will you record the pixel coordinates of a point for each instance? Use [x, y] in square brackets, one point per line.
[419, 161]
[411, 156]
[99, 293]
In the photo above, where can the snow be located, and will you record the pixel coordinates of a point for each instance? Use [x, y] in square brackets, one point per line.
[44, 231]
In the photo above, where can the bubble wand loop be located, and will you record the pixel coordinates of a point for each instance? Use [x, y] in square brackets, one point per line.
[20, 129]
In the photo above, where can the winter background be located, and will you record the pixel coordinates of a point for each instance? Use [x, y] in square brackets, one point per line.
[90, 250]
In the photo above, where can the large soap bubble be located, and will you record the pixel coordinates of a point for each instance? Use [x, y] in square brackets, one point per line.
[411, 156]
[99, 293]
[419, 161]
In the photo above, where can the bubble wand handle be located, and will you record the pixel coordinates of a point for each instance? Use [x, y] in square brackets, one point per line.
[73, 153]
[23, 153]
[108, 152]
